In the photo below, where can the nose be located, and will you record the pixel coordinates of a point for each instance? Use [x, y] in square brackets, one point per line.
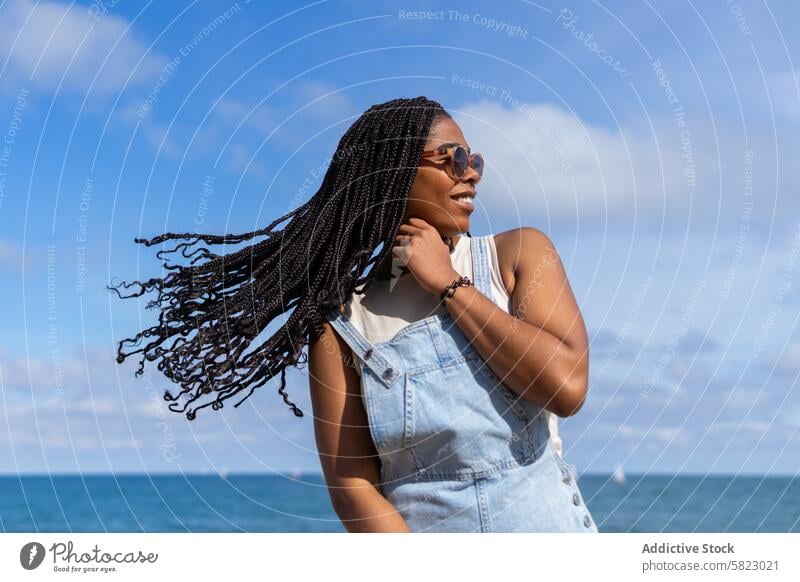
[471, 176]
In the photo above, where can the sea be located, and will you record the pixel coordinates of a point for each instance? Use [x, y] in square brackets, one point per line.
[299, 503]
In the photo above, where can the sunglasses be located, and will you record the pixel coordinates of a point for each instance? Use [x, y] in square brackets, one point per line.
[460, 159]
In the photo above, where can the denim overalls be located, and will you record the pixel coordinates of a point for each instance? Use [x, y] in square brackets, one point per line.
[459, 451]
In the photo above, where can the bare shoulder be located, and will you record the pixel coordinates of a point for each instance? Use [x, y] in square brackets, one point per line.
[525, 243]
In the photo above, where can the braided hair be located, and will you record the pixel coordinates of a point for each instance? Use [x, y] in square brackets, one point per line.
[312, 265]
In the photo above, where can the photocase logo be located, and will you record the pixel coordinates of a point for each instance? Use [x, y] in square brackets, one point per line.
[31, 555]
[398, 268]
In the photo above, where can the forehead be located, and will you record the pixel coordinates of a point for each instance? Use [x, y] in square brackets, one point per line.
[446, 131]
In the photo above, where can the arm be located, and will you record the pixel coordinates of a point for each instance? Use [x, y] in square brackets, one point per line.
[349, 460]
[540, 351]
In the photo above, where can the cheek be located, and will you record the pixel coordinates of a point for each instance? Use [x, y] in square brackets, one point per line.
[429, 191]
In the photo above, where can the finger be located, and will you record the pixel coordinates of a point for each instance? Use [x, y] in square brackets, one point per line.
[418, 222]
[409, 229]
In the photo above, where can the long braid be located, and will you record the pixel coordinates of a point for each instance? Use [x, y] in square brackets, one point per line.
[310, 266]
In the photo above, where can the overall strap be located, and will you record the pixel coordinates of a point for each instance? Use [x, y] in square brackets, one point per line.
[382, 367]
[481, 266]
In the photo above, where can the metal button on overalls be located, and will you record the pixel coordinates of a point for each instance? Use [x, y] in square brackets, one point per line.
[459, 450]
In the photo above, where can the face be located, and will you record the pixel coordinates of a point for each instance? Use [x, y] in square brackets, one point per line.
[432, 196]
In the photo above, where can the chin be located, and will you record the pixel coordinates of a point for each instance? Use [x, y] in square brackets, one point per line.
[449, 226]
[462, 228]
[451, 231]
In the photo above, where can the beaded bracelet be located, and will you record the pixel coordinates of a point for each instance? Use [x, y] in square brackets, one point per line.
[451, 288]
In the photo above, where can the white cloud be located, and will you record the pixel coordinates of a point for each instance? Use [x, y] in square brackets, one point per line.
[325, 101]
[316, 102]
[789, 360]
[10, 254]
[545, 163]
[14, 257]
[784, 93]
[230, 110]
[41, 40]
[664, 434]
[118, 411]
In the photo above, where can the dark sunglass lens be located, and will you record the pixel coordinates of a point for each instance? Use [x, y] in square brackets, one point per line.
[477, 163]
[460, 161]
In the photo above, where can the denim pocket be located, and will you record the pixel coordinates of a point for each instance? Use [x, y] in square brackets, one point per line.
[513, 399]
[458, 420]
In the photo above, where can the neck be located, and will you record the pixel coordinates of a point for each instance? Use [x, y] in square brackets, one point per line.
[385, 273]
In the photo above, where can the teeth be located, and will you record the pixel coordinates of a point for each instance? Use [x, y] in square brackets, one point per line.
[462, 198]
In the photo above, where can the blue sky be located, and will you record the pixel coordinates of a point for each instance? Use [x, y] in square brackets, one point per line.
[653, 142]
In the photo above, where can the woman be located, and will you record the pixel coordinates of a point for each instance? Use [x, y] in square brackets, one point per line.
[448, 427]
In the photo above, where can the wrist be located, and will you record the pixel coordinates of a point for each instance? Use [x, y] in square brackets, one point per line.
[444, 281]
[450, 289]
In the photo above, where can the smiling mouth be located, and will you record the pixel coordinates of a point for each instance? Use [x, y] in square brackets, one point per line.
[465, 201]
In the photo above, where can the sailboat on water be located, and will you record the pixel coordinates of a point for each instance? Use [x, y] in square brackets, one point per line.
[619, 475]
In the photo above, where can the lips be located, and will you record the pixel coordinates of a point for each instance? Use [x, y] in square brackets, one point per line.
[464, 200]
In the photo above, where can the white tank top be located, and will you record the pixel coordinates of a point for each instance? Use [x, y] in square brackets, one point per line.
[389, 306]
